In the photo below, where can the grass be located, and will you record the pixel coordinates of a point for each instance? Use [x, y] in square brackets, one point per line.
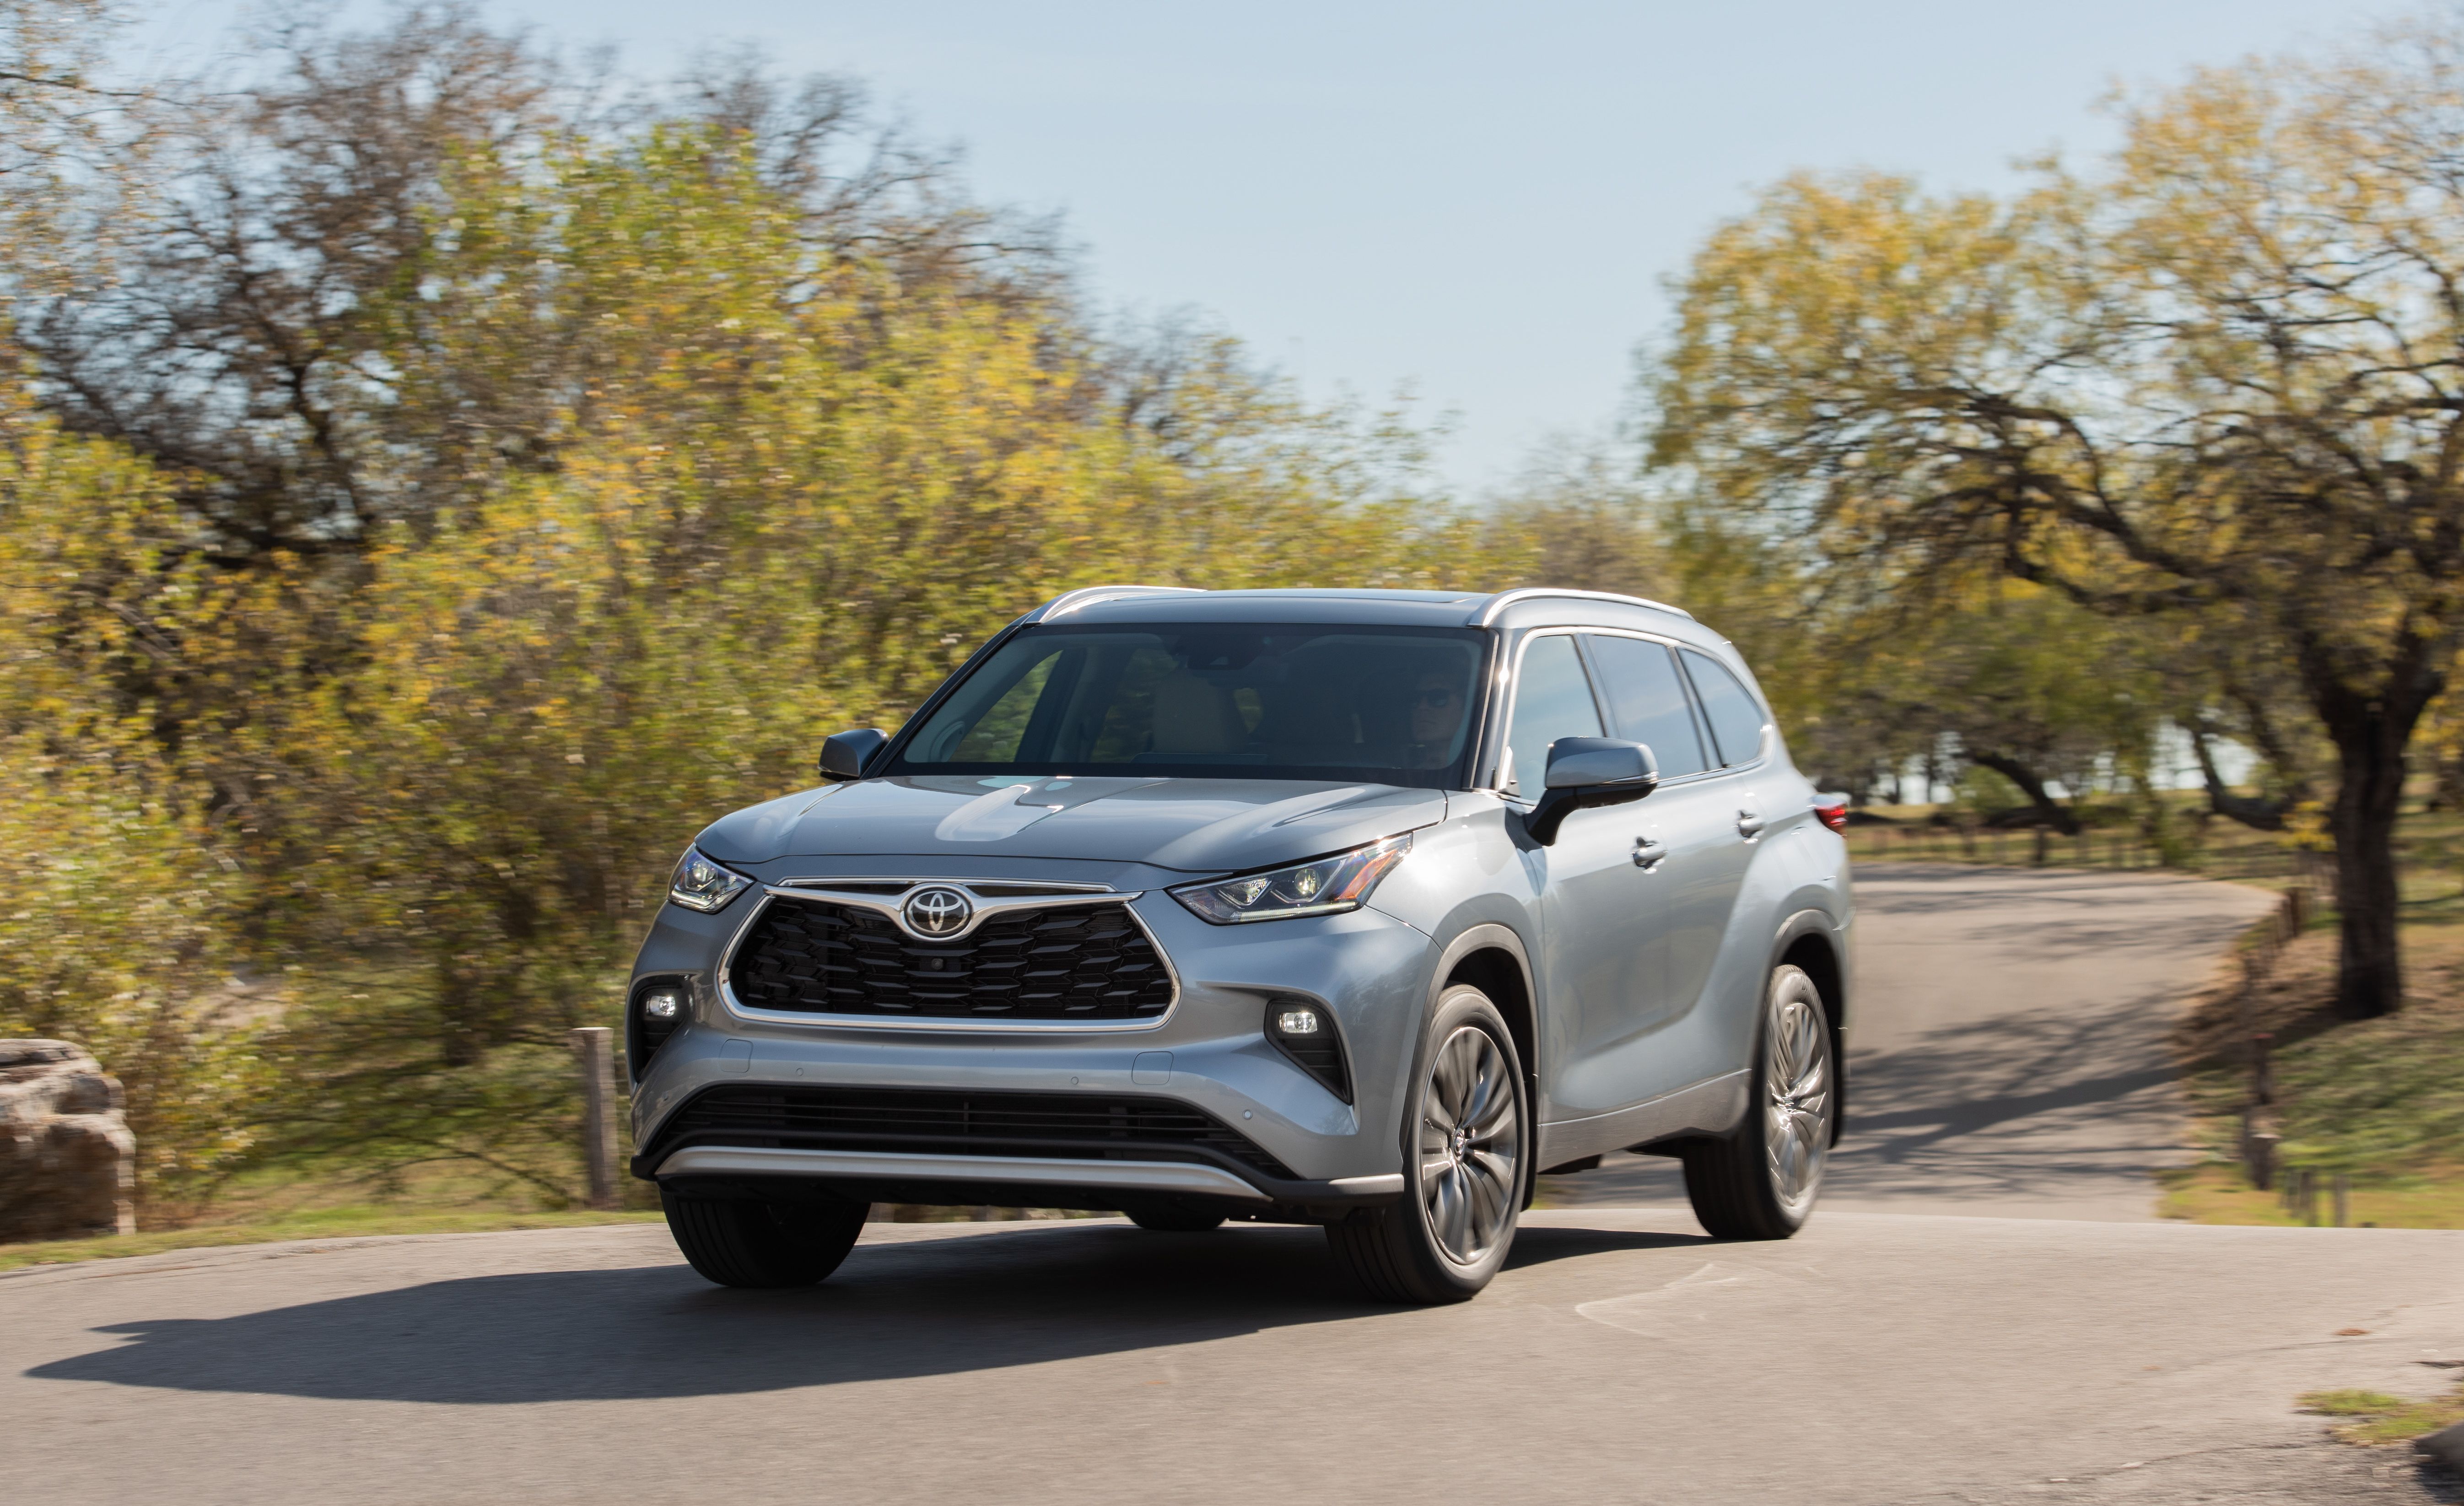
[273, 1203]
[341, 1221]
[2216, 1193]
[2374, 1417]
[2379, 1101]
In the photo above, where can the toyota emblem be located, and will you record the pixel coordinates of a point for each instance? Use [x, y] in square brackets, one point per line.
[938, 912]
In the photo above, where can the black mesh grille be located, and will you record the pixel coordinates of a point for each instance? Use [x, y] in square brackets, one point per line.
[1084, 962]
[1084, 1126]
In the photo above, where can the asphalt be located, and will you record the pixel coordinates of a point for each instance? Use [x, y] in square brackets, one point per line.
[1879, 1357]
[2006, 1050]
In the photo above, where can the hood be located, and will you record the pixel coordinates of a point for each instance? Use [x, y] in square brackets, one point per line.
[1193, 825]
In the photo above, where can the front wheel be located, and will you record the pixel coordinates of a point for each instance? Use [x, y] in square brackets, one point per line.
[738, 1242]
[1761, 1182]
[1464, 1146]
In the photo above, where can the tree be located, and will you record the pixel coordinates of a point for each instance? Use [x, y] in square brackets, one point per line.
[476, 490]
[2225, 371]
[57, 125]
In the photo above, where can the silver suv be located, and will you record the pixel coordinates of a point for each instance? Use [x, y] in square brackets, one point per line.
[1351, 908]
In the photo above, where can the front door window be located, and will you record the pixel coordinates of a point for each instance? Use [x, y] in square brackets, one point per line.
[1552, 699]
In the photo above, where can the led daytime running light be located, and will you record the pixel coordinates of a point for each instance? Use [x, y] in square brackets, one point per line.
[700, 884]
[1328, 886]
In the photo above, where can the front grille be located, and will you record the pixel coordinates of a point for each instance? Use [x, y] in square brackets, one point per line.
[1082, 1126]
[1088, 962]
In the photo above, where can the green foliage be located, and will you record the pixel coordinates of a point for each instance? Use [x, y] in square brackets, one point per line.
[118, 929]
[671, 487]
[2211, 381]
[2380, 1418]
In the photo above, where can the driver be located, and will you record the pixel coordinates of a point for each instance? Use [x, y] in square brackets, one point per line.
[1437, 716]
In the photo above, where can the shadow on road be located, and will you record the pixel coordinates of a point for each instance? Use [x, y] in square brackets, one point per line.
[926, 1307]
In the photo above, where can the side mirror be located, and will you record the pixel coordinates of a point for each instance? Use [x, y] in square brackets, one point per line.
[1584, 772]
[844, 754]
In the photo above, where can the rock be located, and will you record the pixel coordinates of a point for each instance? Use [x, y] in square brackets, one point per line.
[2446, 1445]
[68, 1164]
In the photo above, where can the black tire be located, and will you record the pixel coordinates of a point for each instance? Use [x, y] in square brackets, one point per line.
[1761, 1182]
[1165, 1219]
[762, 1244]
[1398, 1253]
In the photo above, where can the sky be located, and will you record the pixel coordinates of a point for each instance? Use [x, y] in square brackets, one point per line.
[1476, 201]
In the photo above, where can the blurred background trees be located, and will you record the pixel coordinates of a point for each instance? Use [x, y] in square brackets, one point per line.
[2212, 387]
[447, 483]
[434, 480]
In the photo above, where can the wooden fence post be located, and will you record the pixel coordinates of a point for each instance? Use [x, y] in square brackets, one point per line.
[591, 1050]
[2257, 1152]
[2344, 1200]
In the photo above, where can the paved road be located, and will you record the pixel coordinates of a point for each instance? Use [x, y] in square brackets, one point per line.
[1624, 1357]
[2008, 1053]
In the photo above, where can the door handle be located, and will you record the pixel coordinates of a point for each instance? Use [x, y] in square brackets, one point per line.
[1749, 825]
[1649, 855]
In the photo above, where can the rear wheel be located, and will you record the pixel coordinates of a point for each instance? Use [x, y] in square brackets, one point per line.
[749, 1244]
[1464, 1146]
[1761, 1182]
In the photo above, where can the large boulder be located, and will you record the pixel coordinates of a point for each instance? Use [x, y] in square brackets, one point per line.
[68, 1164]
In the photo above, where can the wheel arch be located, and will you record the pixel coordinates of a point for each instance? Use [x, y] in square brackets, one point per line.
[1492, 958]
[1807, 940]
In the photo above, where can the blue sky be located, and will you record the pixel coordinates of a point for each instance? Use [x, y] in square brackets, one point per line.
[1480, 201]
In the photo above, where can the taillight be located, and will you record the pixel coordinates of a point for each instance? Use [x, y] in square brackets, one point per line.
[1832, 810]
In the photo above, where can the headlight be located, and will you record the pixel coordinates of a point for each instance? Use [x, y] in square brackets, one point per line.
[1326, 887]
[700, 884]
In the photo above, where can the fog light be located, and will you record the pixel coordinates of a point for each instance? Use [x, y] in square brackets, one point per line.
[658, 1012]
[1302, 1034]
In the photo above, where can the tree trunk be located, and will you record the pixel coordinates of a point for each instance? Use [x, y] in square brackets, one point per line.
[2049, 811]
[2262, 816]
[2369, 976]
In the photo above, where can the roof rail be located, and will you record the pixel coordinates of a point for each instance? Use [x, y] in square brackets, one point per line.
[1503, 598]
[1068, 602]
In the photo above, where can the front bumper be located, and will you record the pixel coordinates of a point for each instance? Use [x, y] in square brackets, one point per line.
[1320, 1156]
[999, 1181]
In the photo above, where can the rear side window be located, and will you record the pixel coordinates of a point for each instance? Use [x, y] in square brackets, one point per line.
[1552, 699]
[1736, 717]
[1647, 702]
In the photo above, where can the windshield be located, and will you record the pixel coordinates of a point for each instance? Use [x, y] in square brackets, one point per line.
[1231, 701]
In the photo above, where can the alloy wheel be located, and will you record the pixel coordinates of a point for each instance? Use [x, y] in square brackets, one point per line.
[1796, 1092]
[1471, 1145]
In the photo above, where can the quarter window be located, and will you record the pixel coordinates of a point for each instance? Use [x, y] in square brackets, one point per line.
[1552, 699]
[1647, 702]
[1736, 717]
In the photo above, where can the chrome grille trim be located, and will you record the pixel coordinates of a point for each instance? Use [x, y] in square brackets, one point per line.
[888, 905]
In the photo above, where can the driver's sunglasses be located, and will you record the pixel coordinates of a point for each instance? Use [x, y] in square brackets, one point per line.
[1436, 699]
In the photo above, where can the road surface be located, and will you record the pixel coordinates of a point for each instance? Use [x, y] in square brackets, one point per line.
[1881, 1356]
[2007, 1044]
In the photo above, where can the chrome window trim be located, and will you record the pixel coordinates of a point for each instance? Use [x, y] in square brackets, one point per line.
[1514, 692]
[889, 905]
